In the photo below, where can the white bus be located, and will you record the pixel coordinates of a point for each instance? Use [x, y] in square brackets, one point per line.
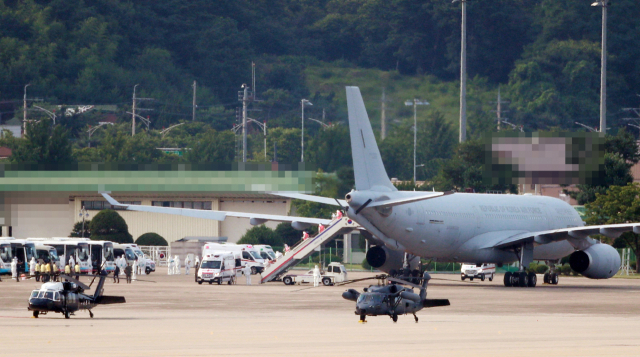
[46, 253]
[102, 250]
[68, 247]
[21, 249]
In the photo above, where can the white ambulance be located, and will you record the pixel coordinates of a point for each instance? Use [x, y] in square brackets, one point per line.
[472, 271]
[219, 267]
[248, 254]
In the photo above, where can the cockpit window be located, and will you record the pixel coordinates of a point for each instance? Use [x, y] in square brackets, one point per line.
[48, 295]
[34, 294]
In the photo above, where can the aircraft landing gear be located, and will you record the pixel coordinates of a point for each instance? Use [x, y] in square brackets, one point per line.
[90, 314]
[66, 314]
[363, 319]
[551, 278]
[35, 314]
[394, 317]
[522, 278]
[415, 317]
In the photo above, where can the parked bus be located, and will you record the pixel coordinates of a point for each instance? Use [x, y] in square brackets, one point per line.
[102, 251]
[5, 257]
[21, 249]
[46, 253]
[78, 248]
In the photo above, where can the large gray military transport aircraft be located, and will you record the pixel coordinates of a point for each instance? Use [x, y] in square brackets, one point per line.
[445, 226]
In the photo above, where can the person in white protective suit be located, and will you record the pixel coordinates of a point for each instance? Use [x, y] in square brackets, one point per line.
[32, 266]
[135, 269]
[170, 266]
[72, 262]
[187, 264]
[177, 265]
[316, 276]
[247, 273]
[14, 269]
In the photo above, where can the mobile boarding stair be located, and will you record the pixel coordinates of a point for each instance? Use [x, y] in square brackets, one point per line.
[305, 248]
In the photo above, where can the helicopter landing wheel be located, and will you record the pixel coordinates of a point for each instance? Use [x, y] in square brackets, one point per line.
[394, 317]
[415, 317]
[36, 313]
[66, 314]
[363, 319]
[90, 314]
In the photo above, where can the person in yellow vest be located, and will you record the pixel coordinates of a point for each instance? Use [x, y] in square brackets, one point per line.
[38, 265]
[77, 269]
[55, 271]
[46, 273]
[67, 270]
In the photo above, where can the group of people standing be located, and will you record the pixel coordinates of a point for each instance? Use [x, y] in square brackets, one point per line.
[174, 265]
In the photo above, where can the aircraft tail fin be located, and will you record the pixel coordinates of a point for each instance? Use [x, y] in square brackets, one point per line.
[368, 168]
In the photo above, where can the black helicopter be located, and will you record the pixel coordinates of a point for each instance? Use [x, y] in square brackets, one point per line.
[393, 298]
[69, 296]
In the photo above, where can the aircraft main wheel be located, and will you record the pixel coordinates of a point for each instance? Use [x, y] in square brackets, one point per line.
[491, 277]
[545, 279]
[533, 280]
[36, 313]
[523, 279]
[287, 281]
[507, 278]
[326, 281]
[553, 279]
[394, 317]
[482, 277]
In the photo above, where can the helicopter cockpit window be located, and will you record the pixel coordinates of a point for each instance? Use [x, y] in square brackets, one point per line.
[363, 298]
[56, 296]
[48, 295]
[34, 294]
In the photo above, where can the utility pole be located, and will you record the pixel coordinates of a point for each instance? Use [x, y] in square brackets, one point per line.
[193, 115]
[245, 99]
[603, 66]
[25, 109]
[383, 115]
[253, 78]
[133, 111]
[303, 102]
[499, 110]
[463, 73]
[415, 102]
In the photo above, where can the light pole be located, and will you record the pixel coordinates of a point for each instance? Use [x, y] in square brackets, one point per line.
[25, 109]
[415, 103]
[603, 66]
[165, 131]
[93, 130]
[302, 104]
[51, 115]
[463, 72]
[83, 213]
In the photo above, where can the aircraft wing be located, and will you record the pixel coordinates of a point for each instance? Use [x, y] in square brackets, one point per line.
[319, 199]
[555, 235]
[256, 218]
[401, 201]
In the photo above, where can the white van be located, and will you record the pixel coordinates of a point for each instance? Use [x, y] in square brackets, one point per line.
[472, 271]
[219, 267]
[266, 252]
[248, 254]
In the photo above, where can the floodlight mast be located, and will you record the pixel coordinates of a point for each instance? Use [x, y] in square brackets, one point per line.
[303, 102]
[463, 72]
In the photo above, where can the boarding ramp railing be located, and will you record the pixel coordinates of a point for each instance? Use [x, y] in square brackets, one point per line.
[306, 247]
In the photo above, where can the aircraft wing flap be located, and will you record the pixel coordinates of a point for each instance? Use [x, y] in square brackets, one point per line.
[555, 235]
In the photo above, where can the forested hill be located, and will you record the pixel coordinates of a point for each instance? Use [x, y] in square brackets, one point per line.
[545, 53]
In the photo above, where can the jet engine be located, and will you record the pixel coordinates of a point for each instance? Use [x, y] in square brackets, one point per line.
[599, 261]
[385, 259]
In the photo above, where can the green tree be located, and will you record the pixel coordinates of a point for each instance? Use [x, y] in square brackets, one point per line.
[261, 235]
[109, 225]
[212, 147]
[42, 144]
[619, 204]
[77, 229]
[152, 239]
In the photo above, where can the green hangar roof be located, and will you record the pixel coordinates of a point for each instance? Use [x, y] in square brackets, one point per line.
[256, 179]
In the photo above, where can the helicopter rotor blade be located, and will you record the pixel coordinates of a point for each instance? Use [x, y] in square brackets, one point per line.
[73, 280]
[378, 277]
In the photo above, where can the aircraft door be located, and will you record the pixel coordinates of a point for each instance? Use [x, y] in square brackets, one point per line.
[420, 215]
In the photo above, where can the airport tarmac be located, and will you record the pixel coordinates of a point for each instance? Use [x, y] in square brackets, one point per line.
[176, 317]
